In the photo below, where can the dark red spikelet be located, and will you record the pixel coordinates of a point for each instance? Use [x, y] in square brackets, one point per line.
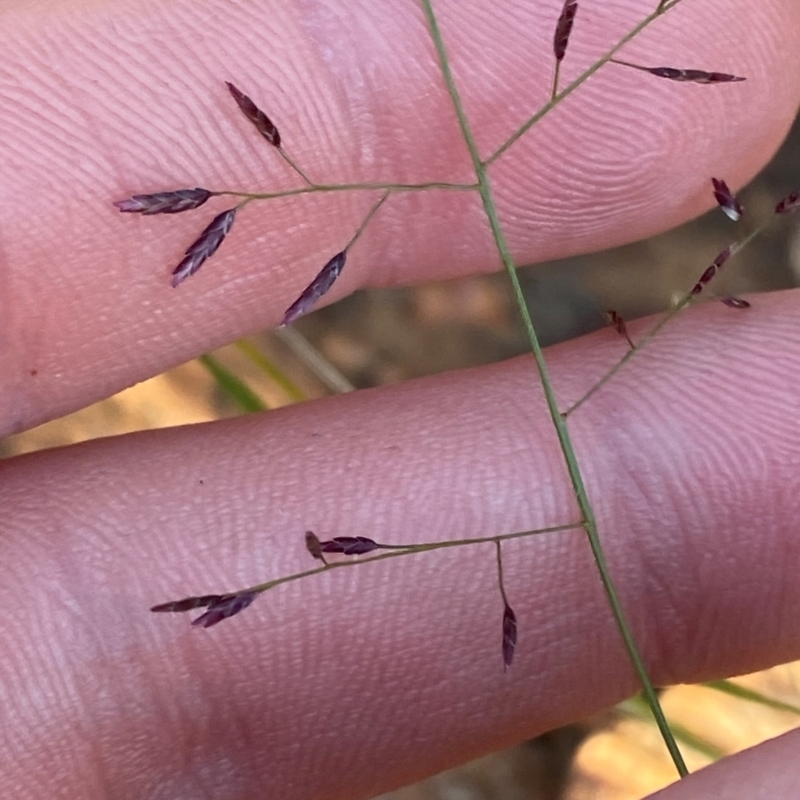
[683, 75]
[204, 247]
[726, 200]
[316, 289]
[314, 546]
[164, 202]
[735, 302]
[712, 270]
[263, 123]
[564, 29]
[789, 203]
[509, 635]
[692, 75]
[618, 324]
[189, 603]
[224, 607]
[349, 545]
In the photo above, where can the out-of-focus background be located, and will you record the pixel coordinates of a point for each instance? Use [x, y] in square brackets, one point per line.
[380, 337]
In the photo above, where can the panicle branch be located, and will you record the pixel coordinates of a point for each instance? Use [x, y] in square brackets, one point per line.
[733, 209]
[226, 605]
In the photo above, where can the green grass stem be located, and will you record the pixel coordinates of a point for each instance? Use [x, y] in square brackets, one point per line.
[559, 423]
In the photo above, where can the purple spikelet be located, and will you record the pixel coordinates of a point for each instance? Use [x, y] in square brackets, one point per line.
[164, 202]
[316, 289]
[262, 122]
[204, 247]
[509, 635]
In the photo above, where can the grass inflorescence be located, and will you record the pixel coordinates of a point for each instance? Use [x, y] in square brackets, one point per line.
[356, 550]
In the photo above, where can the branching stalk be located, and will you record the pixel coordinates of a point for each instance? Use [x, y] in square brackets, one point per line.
[326, 188]
[576, 478]
[559, 97]
[398, 551]
[668, 316]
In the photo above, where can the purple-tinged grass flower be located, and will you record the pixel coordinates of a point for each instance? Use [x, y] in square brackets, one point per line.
[509, 635]
[350, 545]
[735, 302]
[618, 324]
[694, 75]
[712, 270]
[220, 606]
[314, 546]
[225, 607]
[164, 202]
[727, 200]
[316, 289]
[683, 75]
[189, 603]
[564, 28]
[789, 203]
[262, 122]
[204, 247]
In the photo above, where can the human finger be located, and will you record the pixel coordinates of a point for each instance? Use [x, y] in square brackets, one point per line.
[102, 101]
[358, 680]
[769, 770]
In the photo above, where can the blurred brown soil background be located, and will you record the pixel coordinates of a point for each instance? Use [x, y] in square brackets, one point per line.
[380, 337]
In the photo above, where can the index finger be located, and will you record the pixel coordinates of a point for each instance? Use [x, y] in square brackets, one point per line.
[102, 102]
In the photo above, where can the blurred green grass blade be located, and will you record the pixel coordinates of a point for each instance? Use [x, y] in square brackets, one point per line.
[743, 693]
[314, 360]
[277, 375]
[637, 708]
[235, 387]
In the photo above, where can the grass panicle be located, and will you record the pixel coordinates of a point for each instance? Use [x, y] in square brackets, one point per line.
[355, 551]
